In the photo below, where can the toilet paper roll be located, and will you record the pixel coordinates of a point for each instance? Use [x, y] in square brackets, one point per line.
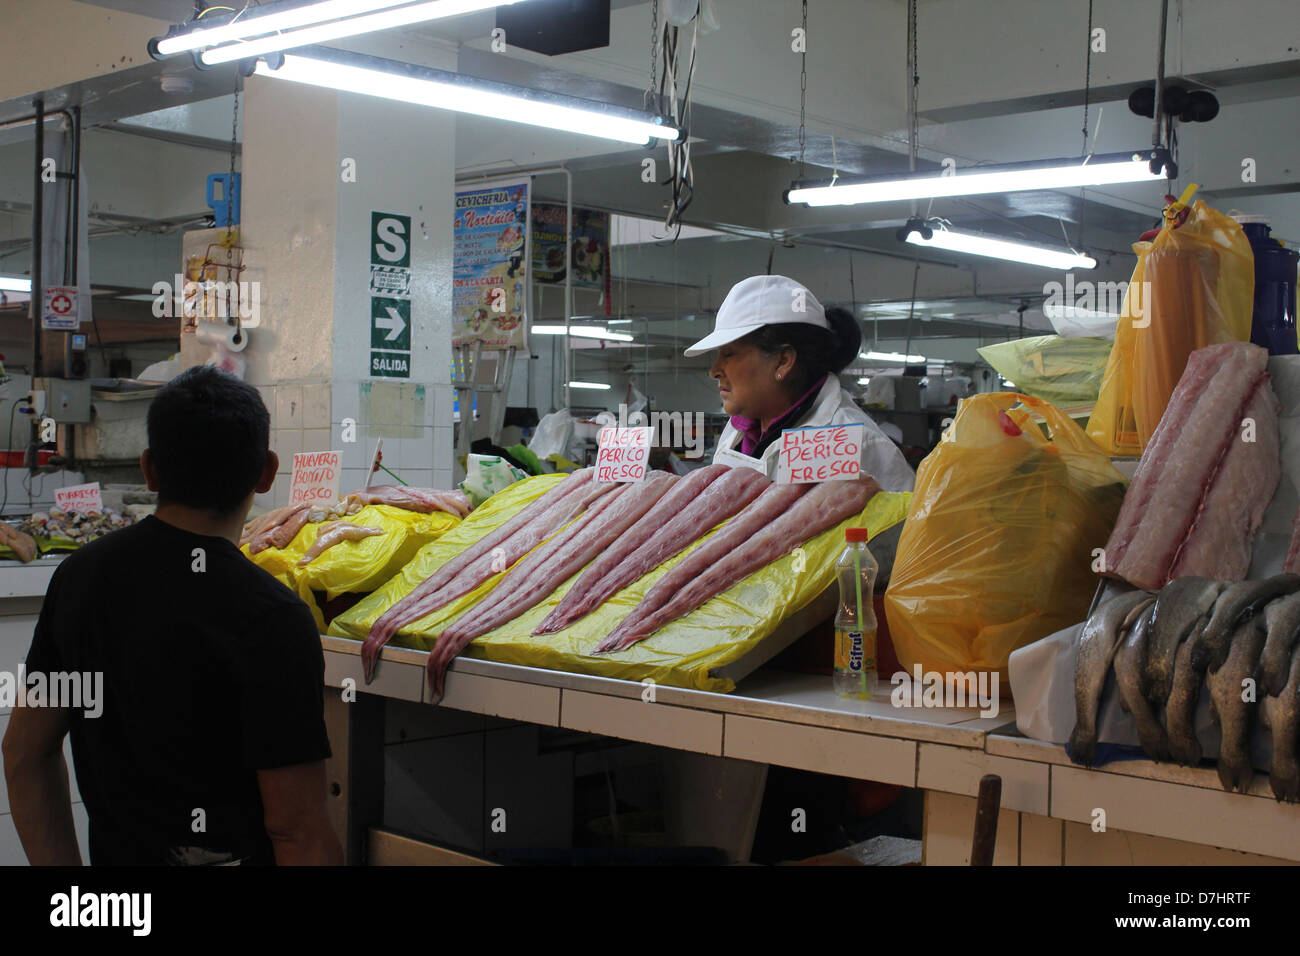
[216, 335]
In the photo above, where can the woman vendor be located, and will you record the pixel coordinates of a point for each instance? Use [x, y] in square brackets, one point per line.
[779, 355]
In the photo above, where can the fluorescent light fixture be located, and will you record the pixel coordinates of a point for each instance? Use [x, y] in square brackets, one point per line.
[583, 332]
[1099, 170]
[599, 386]
[863, 381]
[1009, 384]
[15, 284]
[892, 357]
[977, 245]
[309, 23]
[371, 76]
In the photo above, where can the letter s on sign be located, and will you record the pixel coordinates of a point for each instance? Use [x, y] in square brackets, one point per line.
[392, 240]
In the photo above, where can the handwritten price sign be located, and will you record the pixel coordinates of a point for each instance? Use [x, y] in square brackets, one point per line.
[623, 454]
[315, 477]
[83, 498]
[820, 454]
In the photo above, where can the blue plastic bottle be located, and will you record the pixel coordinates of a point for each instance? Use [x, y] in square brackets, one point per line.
[1273, 324]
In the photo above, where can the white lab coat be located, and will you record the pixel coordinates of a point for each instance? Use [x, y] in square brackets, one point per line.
[834, 406]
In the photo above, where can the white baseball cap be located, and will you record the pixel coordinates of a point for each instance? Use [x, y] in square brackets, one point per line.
[758, 301]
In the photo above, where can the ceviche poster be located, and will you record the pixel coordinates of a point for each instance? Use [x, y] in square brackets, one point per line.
[489, 274]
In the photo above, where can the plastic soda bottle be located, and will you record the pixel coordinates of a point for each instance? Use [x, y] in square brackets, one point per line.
[855, 622]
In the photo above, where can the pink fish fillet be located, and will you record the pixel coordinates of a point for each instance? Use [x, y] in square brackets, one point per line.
[423, 500]
[1175, 472]
[334, 533]
[257, 533]
[547, 567]
[538, 520]
[762, 511]
[1293, 552]
[784, 517]
[1218, 545]
[279, 535]
[678, 521]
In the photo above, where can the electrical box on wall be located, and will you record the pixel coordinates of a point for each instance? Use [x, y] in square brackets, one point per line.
[67, 401]
[553, 27]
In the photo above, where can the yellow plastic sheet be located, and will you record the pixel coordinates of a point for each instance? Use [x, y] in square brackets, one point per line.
[681, 654]
[357, 566]
[998, 546]
[1193, 286]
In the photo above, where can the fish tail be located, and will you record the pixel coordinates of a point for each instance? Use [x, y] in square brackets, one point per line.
[1082, 747]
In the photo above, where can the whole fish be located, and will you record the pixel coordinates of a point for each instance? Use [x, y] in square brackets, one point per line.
[1179, 606]
[1282, 714]
[1232, 704]
[1098, 638]
[1244, 599]
[1184, 695]
[1130, 658]
[1282, 619]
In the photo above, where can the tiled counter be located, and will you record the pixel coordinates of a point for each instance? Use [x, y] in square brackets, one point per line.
[1053, 812]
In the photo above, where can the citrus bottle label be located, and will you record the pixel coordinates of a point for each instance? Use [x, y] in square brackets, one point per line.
[855, 651]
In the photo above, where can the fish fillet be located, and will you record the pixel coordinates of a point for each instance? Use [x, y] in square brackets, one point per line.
[1175, 474]
[700, 502]
[20, 543]
[423, 500]
[1293, 552]
[780, 519]
[334, 533]
[260, 539]
[547, 567]
[538, 520]
[1219, 542]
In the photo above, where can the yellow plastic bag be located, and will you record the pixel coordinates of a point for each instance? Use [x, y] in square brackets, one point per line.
[1065, 371]
[356, 566]
[1193, 286]
[681, 654]
[998, 545]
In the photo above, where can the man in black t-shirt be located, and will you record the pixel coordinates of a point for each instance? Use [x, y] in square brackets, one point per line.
[209, 742]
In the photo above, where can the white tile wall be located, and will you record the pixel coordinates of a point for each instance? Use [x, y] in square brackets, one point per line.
[288, 406]
[317, 439]
[316, 406]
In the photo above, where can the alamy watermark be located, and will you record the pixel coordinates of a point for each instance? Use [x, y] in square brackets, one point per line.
[74, 690]
[923, 688]
[668, 429]
[1069, 298]
[208, 299]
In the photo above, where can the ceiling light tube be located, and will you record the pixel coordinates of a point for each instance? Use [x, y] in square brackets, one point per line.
[600, 386]
[372, 76]
[892, 357]
[15, 284]
[1099, 170]
[977, 245]
[330, 15]
[583, 332]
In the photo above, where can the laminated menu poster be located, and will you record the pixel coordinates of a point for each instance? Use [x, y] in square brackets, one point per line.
[489, 271]
[590, 245]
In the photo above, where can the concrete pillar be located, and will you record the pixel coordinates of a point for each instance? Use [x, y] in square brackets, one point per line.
[307, 234]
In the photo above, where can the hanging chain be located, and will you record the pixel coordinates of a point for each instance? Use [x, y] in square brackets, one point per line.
[914, 82]
[650, 100]
[230, 218]
[803, 90]
[1087, 81]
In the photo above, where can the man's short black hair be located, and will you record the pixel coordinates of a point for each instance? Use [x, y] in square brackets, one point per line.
[208, 438]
